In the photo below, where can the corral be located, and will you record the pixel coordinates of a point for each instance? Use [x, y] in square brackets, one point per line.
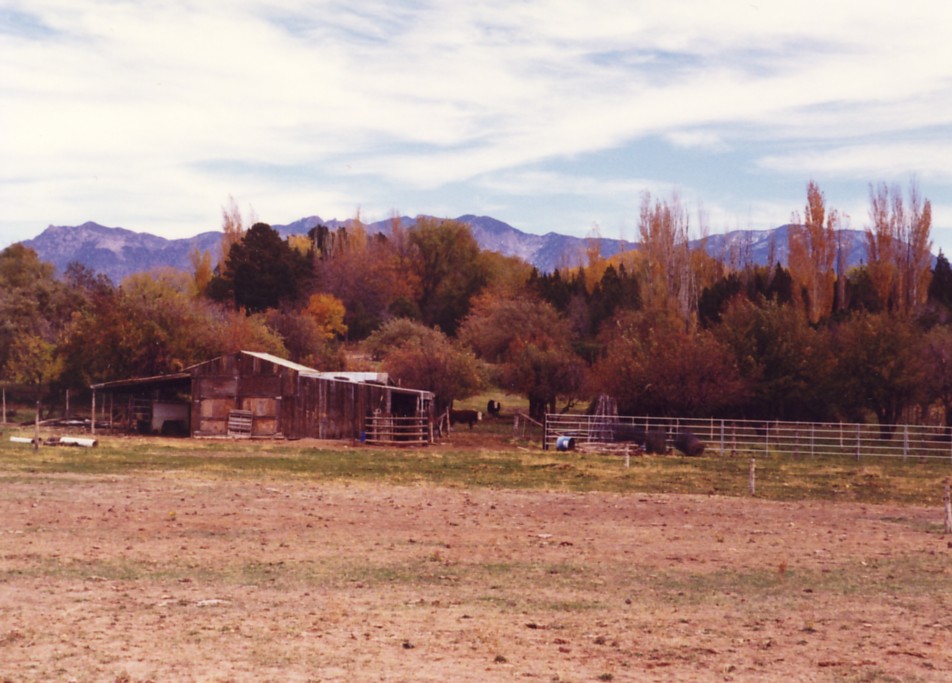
[259, 395]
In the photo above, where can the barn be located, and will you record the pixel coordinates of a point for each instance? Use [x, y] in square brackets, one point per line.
[251, 394]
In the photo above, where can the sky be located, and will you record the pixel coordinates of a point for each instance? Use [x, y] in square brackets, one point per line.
[550, 115]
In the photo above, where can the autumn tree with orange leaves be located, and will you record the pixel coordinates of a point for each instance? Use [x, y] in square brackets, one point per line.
[898, 247]
[668, 283]
[529, 343]
[813, 250]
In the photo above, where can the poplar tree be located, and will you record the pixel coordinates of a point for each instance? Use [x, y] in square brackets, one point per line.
[668, 281]
[898, 247]
[813, 249]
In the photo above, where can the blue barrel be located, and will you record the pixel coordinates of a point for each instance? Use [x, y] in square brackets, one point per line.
[565, 443]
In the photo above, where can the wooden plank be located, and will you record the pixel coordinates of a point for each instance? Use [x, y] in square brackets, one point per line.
[240, 423]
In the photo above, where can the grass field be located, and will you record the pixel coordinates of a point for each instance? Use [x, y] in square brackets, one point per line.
[490, 456]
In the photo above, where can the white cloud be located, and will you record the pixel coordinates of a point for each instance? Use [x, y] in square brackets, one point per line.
[873, 162]
[700, 139]
[135, 109]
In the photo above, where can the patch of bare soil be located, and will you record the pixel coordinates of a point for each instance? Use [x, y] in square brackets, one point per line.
[193, 578]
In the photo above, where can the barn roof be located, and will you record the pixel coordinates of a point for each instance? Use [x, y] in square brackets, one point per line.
[182, 379]
[173, 380]
[283, 362]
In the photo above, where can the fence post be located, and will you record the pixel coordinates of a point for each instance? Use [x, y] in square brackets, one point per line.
[752, 476]
[947, 500]
[722, 437]
[36, 430]
[905, 442]
[857, 443]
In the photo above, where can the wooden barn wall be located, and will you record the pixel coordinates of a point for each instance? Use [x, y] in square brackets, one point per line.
[335, 409]
[285, 403]
[240, 382]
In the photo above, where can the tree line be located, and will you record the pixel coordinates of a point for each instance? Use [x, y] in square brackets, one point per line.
[664, 329]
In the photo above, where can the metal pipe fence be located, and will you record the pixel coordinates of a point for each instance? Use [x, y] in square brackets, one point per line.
[757, 438]
[386, 430]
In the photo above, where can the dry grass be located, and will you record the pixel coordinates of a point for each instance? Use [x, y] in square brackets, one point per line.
[276, 573]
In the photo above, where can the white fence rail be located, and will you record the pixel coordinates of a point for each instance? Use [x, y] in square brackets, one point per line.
[758, 437]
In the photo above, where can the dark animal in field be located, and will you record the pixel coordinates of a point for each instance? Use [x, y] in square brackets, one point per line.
[493, 408]
[627, 432]
[656, 442]
[688, 443]
[469, 417]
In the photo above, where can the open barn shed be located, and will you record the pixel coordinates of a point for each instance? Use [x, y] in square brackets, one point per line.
[259, 395]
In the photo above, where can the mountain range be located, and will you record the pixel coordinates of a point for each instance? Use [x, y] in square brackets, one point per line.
[118, 252]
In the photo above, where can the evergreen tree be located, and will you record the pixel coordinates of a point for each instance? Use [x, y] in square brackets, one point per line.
[262, 271]
[940, 287]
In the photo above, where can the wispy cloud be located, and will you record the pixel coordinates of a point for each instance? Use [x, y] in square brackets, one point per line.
[150, 114]
[885, 161]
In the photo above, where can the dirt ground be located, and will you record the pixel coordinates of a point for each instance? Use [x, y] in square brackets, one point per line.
[194, 577]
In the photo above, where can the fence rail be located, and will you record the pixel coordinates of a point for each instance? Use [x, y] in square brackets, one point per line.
[398, 431]
[758, 437]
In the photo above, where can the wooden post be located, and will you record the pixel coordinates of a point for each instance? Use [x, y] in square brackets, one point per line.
[36, 428]
[628, 460]
[4, 418]
[947, 499]
[751, 478]
[92, 422]
[67, 404]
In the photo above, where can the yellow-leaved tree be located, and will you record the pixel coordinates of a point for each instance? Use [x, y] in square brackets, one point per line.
[328, 312]
[669, 287]
[813, 247]
[898, 247]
